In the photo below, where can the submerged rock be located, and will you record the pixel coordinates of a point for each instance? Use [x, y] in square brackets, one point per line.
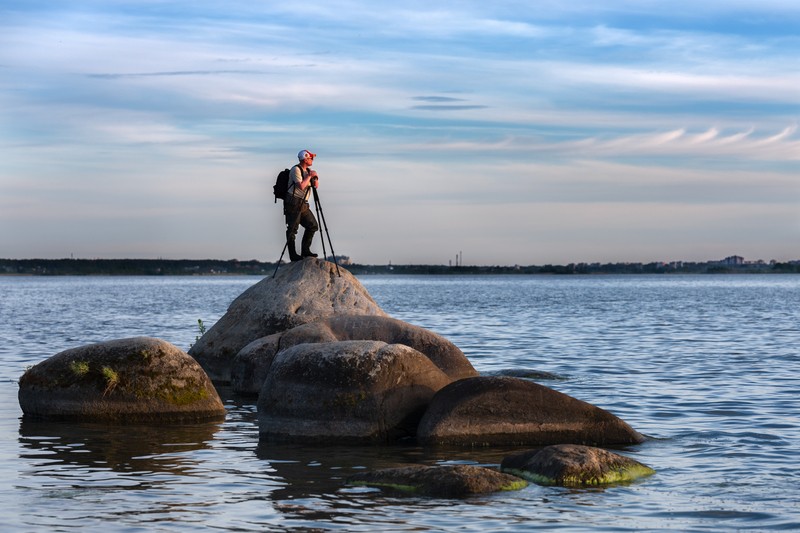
[440, 481]
[574, 465]
[350, 391]
[139, 379]
[538, 375]
[252, 363]
[488, 411]
[301, 292]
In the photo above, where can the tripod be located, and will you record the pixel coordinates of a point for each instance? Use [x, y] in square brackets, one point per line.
[321, 219]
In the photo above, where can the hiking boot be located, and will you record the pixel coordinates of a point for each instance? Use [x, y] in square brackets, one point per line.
[293, 255]
[305, 249]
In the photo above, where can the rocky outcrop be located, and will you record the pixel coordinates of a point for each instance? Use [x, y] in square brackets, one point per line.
[251, 364]
[301, 292]
[140, 379]
[574, 465]
[488, 411]
[350, 391]
[440, 481]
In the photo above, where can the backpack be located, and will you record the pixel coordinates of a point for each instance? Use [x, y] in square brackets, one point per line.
[281, 186]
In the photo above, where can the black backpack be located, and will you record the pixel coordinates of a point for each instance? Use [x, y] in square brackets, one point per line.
[281, 186]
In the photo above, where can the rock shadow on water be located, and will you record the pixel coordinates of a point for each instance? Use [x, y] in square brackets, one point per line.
[312, 470]
[131, 449]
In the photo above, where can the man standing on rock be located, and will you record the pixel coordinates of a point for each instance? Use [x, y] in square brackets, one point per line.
[296, 208]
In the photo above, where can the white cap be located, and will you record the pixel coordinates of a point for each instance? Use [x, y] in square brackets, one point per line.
[303, 153]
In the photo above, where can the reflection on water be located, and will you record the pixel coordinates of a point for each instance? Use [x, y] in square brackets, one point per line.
[131, 449]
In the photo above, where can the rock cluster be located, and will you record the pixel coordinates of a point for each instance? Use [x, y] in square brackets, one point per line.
[302, 292]
[329, 366]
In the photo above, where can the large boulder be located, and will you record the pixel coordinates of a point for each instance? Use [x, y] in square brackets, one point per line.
[349, 391]
[301, 292]
[251, 364]
[488, 411]
[440, 481]
[140, 379]
[574, 465]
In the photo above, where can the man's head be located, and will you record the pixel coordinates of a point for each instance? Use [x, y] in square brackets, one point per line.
[305, 155]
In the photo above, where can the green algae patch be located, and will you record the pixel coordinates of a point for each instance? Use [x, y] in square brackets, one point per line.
[517, 484]
[411, 489]
[613, 477]
[183, 395]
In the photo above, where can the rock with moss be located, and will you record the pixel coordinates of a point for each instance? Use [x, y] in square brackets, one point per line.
[440, 481]
[346, 392]
[574, 465]
[490, 411]
[251, 364]
[301, 292]
[140, 379]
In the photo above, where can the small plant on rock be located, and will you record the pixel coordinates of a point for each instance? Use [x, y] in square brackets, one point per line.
[201, 328]
[112, 379]
[79, 368]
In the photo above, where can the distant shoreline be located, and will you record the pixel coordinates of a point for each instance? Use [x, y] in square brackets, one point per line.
[214, 267]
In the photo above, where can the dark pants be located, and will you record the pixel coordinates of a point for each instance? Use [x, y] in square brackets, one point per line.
[293, 221]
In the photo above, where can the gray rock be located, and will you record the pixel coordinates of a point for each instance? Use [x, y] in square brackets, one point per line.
[251, 364]
[350, 391]
[440, 481]
[301, 292]
[488, 411]
[138, 379]
[574, 465]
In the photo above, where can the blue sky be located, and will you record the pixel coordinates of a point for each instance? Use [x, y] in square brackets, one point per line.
[512, 132]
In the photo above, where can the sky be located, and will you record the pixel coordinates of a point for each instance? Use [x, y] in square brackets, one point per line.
[502, 133]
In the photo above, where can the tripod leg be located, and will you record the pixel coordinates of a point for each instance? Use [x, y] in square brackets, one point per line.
[278, 264]
[319, 218]
[325, 226]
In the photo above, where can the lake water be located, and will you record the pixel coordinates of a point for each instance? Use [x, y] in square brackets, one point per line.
[706, 366]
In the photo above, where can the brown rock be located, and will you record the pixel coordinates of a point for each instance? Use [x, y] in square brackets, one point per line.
[138, 379]
[440, 481]
[487, 411]
[574, 465]
[351, 391]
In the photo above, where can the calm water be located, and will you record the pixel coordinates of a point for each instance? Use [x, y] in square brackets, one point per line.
[706, 366]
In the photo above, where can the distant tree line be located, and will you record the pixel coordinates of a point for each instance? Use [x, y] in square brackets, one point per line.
[186, 267]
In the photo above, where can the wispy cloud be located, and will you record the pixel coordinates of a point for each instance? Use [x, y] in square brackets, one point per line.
[743, 145]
